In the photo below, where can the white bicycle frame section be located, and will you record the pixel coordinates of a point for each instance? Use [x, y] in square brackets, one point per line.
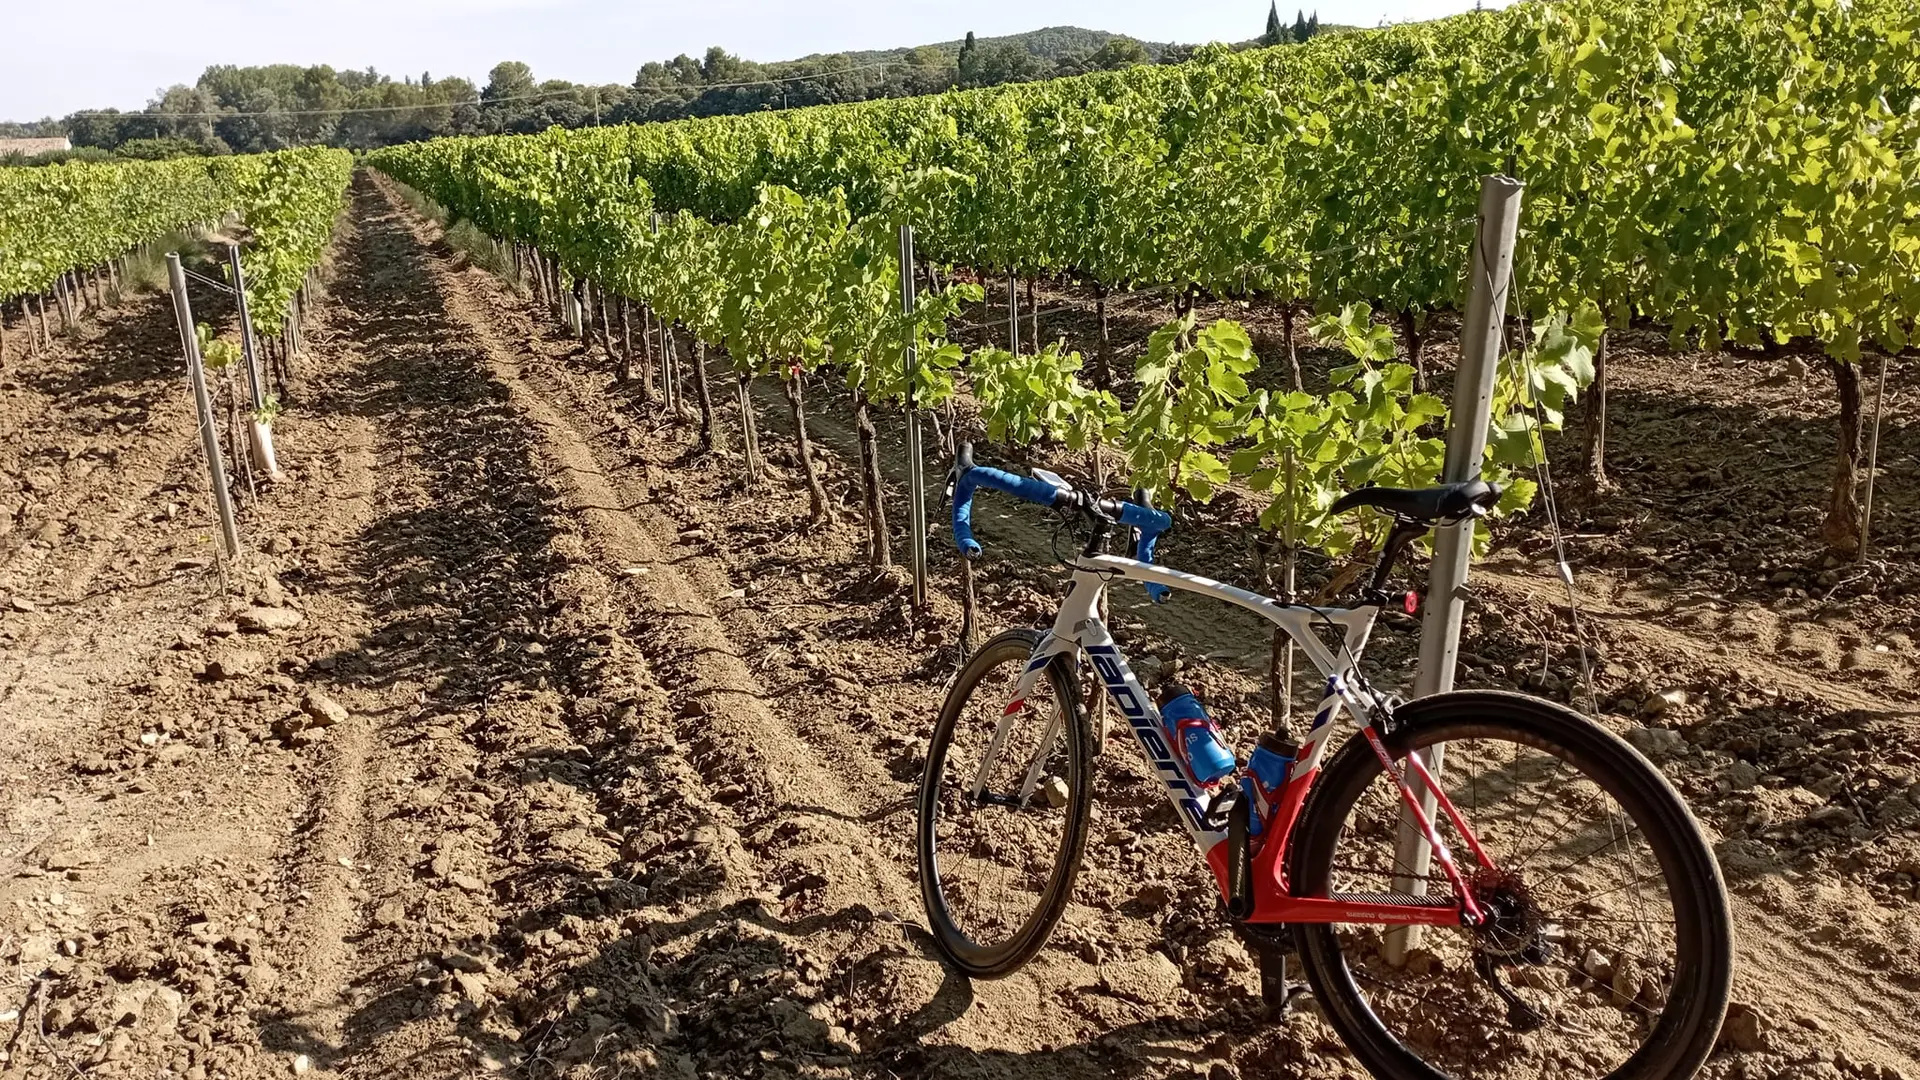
[1078, 631]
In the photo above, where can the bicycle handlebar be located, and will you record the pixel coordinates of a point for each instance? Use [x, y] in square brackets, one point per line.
[967, 476]
[1025, 488]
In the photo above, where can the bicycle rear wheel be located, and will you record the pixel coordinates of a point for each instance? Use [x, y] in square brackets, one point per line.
[1003, 808]
[1608, 952]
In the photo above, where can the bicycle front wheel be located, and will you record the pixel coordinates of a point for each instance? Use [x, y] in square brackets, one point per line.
[1607, 950]
[1003, 808]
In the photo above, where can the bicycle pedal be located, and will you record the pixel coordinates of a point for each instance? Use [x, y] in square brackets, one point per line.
[1218, 815]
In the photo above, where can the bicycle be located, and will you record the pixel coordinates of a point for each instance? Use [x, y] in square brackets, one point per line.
[1582, 931]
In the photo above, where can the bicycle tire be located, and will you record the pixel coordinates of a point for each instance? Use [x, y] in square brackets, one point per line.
[996, 960]
[1695, 1005]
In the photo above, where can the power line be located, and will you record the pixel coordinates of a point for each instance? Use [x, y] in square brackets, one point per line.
[480, 101]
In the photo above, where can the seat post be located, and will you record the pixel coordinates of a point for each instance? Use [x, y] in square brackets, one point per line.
[1397, 540]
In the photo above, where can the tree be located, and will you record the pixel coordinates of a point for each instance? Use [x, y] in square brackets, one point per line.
[506, 97]
[159, 149]
[1121, 52]
[1313, 25]
[996, 63]
[318, 97]
[1276, 34]
[924, 70]
[100, 128]
[1301, 31]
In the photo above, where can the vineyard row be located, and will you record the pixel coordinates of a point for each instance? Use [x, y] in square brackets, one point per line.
[1741, 174]
[63, 227]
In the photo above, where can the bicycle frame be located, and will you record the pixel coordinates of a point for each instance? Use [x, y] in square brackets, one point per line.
[1078, 630]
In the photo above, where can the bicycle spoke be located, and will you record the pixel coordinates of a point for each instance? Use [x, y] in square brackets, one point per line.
[1582, 860]
[998, 831]
[1527, 859]
[1583, 865]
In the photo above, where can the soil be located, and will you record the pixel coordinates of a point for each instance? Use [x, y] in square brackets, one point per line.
[524, 738]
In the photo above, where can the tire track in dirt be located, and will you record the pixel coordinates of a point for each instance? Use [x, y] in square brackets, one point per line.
[481, 831]
[731, 725]
[1644, 626]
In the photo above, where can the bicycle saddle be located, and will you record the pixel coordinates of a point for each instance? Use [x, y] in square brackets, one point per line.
[1442, 502]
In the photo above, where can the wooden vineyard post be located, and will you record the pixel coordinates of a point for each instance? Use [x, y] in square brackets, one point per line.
[1489, 272]
[916, 465]
[203, 406]
[260, 430]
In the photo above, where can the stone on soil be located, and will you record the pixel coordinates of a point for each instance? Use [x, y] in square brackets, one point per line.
[1745, 1028]
[473, 986]
[1055, 789]
[1664, 701]
[1655, 742]
[1150, 980]
[235, 664]
[323, 710]
[265, 620]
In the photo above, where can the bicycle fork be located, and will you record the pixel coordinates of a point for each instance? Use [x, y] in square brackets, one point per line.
[997, 744]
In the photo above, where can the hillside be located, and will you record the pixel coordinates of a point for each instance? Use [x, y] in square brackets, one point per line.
[362, 109]
[1047, 43]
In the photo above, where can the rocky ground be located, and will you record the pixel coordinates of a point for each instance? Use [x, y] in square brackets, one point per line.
[524, 740]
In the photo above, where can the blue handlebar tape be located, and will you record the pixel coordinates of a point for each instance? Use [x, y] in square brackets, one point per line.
[1151, 524]
[1026, 488]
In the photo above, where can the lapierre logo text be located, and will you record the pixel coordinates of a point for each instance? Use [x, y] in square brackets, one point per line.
[1106, 661]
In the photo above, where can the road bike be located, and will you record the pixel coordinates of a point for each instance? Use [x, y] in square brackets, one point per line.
[1477, 883]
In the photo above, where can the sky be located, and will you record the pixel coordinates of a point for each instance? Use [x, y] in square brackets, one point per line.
[133, 48]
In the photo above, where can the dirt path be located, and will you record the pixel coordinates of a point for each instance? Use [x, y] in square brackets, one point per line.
[526, 741]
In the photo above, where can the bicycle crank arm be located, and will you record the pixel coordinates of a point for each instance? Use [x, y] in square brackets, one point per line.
[1239, 814]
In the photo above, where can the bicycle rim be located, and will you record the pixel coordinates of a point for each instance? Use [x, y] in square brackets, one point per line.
[1002, 825]
[1602, 912]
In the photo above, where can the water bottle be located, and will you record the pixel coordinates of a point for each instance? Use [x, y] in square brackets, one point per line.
[1196, 738]
[1267, 768]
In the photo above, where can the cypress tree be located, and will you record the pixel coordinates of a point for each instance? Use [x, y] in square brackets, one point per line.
[1275, 32]
[1300, 30]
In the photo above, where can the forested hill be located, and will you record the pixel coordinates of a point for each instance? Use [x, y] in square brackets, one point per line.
[1046, 43]
[233, 109]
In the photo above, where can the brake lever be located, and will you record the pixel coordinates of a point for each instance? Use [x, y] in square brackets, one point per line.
[962, 459]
